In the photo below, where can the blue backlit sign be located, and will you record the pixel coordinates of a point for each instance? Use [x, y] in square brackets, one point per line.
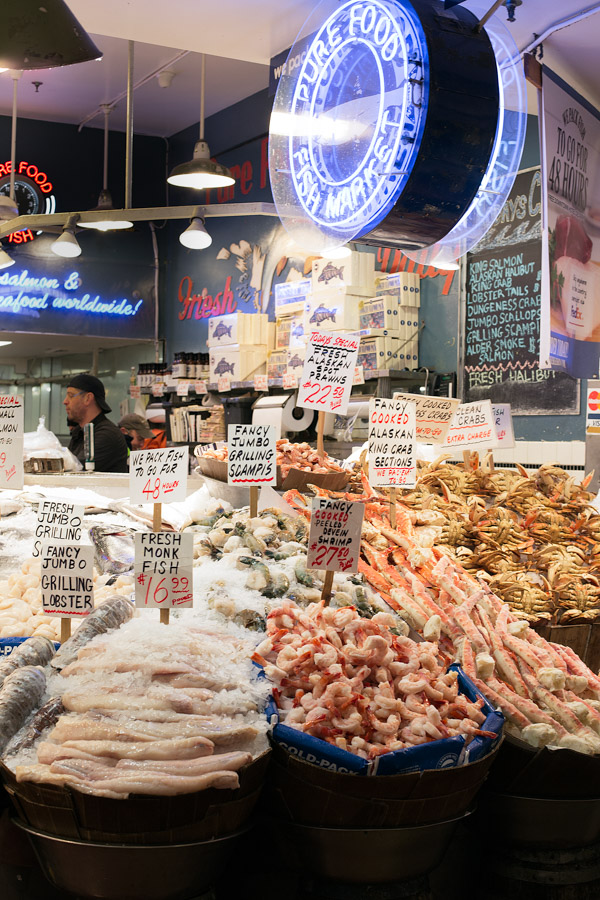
[21, 292]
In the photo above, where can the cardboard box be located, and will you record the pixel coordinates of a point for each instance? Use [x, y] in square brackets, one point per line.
[331, 310]
[290, 332]
[403, 287]
[282, 361]
[240, 362]
[356, 272]
[290, 296]
[295, 478]
[238, 328]
[372, 354]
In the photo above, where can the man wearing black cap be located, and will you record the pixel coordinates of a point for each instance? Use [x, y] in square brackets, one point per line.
[85, 402]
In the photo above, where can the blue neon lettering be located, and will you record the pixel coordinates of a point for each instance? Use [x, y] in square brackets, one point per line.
[54, 297]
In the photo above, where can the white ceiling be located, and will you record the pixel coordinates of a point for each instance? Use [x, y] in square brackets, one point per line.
[239, 36]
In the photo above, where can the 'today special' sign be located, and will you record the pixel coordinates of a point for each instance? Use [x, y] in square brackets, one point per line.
[328, 372]
[67, 579]
[392, 461]
[334, 539]
[158, 476]
[164, 570]
[473, 425]
[57, 521]
[251, 457]
[11, 441]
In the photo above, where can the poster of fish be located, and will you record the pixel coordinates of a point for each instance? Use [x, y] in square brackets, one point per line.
[570, 311]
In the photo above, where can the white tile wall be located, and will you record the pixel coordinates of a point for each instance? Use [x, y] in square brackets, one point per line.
[537, 453]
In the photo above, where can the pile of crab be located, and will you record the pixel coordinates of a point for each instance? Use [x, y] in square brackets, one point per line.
[545, 691]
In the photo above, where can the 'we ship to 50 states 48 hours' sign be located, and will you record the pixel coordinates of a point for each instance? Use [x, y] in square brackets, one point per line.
[392, 461]
[164, 570]
[158, 476]
[11, 441]
[328, 372]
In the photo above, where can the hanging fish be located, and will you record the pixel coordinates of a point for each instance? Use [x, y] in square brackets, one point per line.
[110, 614]
[114, 548]
[35, 651]
[21, 693]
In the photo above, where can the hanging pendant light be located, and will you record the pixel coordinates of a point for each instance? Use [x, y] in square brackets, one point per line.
[195, 236]
[201, 172]
[44, 35]
[105, 203]
[5, 260]
[66, 244]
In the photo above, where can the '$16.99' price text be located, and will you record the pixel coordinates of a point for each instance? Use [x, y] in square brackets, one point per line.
[160, 588]
[324, 557]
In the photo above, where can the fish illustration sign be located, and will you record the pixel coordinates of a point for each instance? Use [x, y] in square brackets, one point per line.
[387, 129]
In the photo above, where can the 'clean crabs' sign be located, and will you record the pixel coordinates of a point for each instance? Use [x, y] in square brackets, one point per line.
[328, 372]
[473, 425]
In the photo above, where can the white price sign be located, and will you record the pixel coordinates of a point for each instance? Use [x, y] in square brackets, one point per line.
[158, 390]
[290, 380]
[164, 570]
[504, 425]
[158, 476]
[11, 441]
[328, 372]
[57, 521]
[335, 531]
[135, 392]
[67, 579]
[472, 425]
[392, 459]
[252, 456]
[433, 416]
[261, 383]
[359, 375]
[183, 388]
[200, 387]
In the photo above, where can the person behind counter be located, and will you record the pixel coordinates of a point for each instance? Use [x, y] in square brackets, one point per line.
[139, 435]
[85, 402]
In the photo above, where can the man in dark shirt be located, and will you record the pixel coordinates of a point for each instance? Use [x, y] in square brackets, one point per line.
[85, 402]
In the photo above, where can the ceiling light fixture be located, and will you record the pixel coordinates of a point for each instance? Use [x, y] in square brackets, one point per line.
[66, 244]
[105, 203]
[5, 260]
[42, 36]
[201, 172]
[5, 343]
[195, 236]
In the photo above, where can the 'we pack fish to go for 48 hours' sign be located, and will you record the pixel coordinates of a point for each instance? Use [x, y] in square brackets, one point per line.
[392, 461]
[158, 476]
[328, 372]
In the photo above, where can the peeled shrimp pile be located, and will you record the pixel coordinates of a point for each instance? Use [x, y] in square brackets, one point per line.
[292, 456]
[148, 709]
[354, 683]
[21, 613]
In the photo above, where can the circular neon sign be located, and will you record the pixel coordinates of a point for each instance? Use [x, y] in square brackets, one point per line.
[384, 133]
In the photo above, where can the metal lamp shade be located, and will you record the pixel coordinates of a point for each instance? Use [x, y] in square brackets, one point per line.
[37, 35]
[105, 204]
[201, 172]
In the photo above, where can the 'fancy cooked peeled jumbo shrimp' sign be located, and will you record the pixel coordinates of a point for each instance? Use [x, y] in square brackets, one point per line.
[433, 416]
[473, 425]
[392, 461]
[334, 539]
[328, 372]
[252, 457]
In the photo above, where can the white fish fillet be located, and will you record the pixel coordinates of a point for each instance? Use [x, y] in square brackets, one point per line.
[222, 762]
[218, 731]
[157, 698]
[106, 662]
[180, 748]
[162, 784]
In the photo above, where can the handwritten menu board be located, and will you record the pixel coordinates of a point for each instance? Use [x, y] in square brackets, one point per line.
[158, 476]
[164, 570]
[57, 521]
[328, 372]
[334, 538]
[392, 460]
[67, 579]
[502, 320]
[433, 416]
[11, 441]
[251, 457]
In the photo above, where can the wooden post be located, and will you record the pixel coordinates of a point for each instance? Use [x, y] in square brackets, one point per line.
[157, 526]
[320, 430]
[65, 630]
[327, 584]
[393, 508]
[253, 501]
[467, 459]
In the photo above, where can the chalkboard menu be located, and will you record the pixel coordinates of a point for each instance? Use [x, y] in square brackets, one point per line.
[502, 322]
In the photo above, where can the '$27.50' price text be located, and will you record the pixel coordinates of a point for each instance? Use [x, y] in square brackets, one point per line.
[325, 556]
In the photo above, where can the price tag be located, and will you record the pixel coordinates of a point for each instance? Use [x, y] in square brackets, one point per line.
[290, 380]
[334, 539]
[57, 521]
[328, 372]
[11, 441]
[158, 390]
[183, 388]
[472, 425]
[67, 579]
[224, 384]
[504, 425]
[135, 391]
[359, 375]
[433, 416]
[158, 476]
[261, 383]
[164, 570]
[200, 387]
[171, 383]
[252, 456]
[392, 458]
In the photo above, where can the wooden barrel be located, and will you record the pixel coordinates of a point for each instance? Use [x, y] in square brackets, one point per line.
[528, 874]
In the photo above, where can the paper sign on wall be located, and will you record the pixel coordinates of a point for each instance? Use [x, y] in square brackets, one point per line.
[472, 426]
[335, 531]
[57, 521]
[252, 455]
[392, 460]
[164, 570]
[158, 476]
[67, 579]
[261, 383]
[433, 416]
[328, 372]
[504, 425]
[11, 441]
